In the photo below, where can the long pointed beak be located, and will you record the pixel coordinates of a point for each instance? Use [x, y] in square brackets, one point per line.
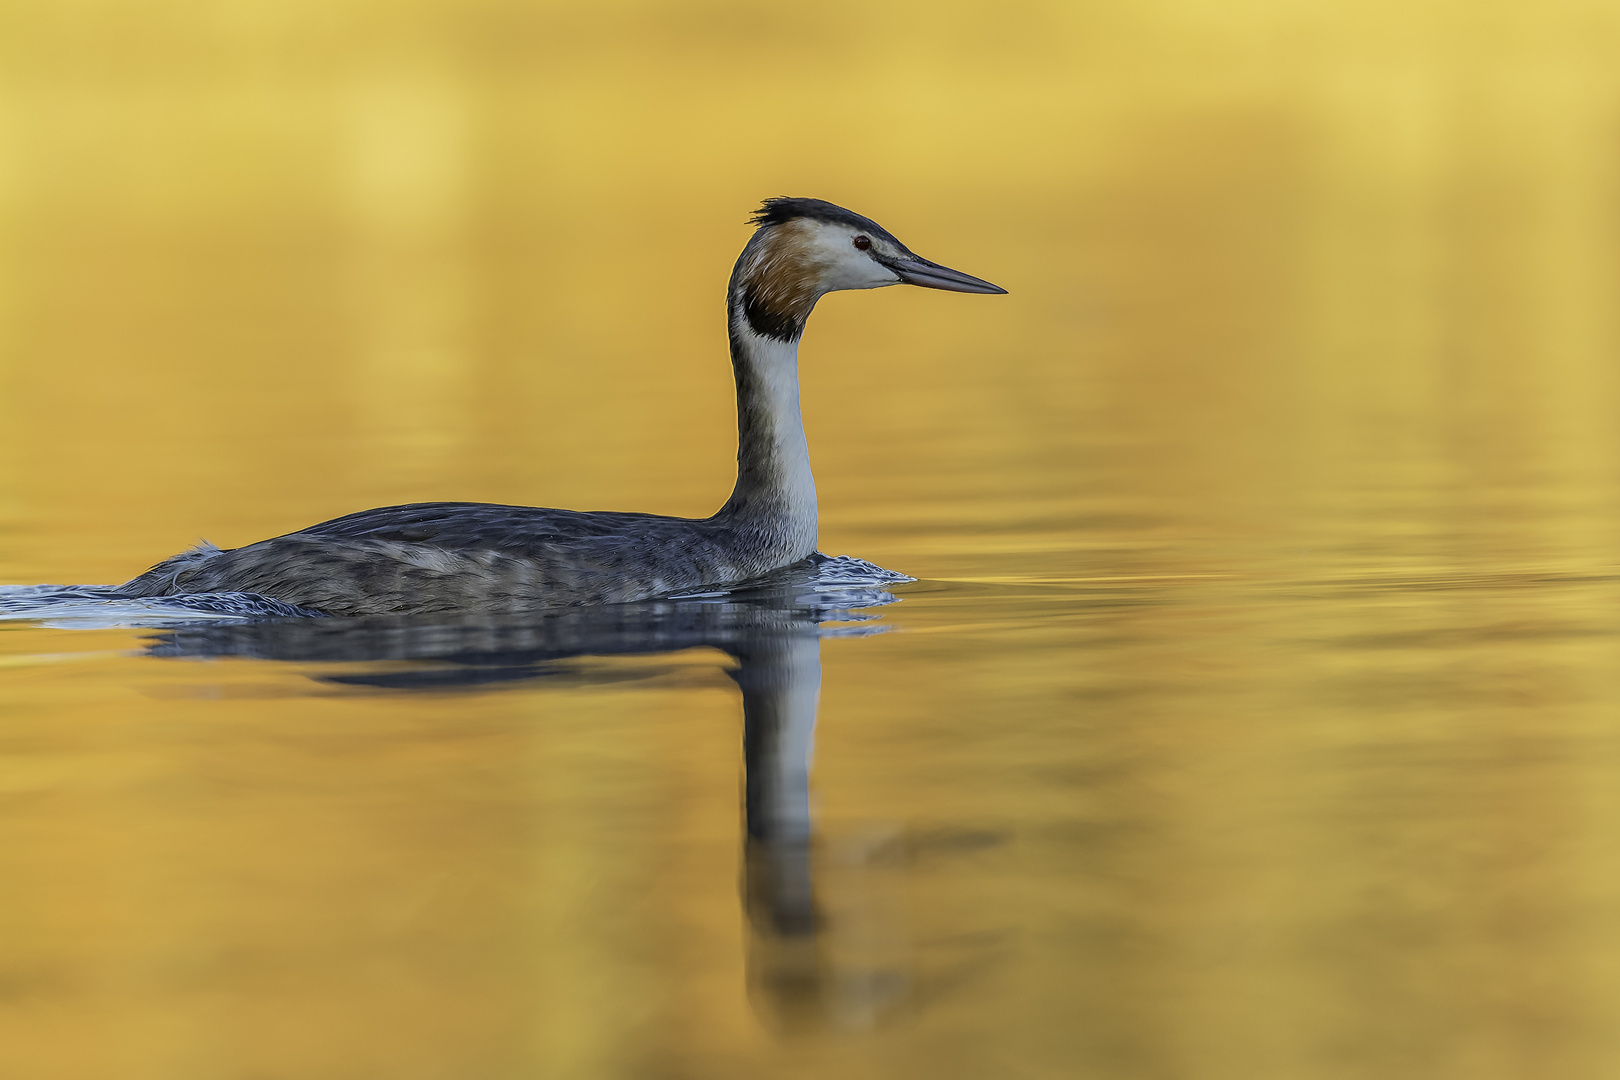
[931, 275]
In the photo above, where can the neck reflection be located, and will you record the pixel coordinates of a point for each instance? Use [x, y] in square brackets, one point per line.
[805, 971]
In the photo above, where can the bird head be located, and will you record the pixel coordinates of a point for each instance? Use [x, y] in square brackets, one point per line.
[806, 248]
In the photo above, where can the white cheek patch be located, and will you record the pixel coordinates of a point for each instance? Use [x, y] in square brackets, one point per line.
[872, 275]
[842, 265]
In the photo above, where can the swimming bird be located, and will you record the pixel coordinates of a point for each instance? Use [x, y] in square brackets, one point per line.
[446, 556]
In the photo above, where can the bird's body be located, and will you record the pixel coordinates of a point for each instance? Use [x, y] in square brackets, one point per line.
[449, 556]
[428, 557]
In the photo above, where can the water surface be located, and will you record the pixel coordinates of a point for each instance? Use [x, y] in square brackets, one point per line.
[1252, 713]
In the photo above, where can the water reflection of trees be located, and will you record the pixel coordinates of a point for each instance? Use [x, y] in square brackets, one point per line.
[800, 974]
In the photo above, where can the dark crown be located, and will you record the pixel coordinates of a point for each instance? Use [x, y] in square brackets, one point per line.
[785, 208]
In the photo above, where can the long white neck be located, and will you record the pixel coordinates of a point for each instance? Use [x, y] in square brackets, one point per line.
[775, 492]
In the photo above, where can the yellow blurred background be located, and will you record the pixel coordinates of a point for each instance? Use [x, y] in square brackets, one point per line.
[1269, 525]
[264, 264]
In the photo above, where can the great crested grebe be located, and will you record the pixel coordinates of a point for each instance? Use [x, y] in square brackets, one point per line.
[428, 557]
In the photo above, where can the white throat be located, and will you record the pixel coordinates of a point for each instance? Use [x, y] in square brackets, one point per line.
[775, 486]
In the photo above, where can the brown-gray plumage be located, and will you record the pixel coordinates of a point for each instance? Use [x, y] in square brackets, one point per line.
[448, 556]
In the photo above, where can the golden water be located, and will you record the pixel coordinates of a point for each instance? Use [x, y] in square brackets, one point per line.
[1257, 713]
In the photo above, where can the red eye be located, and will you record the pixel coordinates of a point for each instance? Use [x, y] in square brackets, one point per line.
[863, 242]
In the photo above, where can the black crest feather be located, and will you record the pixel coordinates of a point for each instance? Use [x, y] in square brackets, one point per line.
[786, 208]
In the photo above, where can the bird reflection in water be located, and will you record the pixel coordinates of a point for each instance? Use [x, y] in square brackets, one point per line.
[804, 970]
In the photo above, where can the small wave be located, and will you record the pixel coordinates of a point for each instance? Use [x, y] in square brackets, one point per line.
[93, 607]
[833, 588]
